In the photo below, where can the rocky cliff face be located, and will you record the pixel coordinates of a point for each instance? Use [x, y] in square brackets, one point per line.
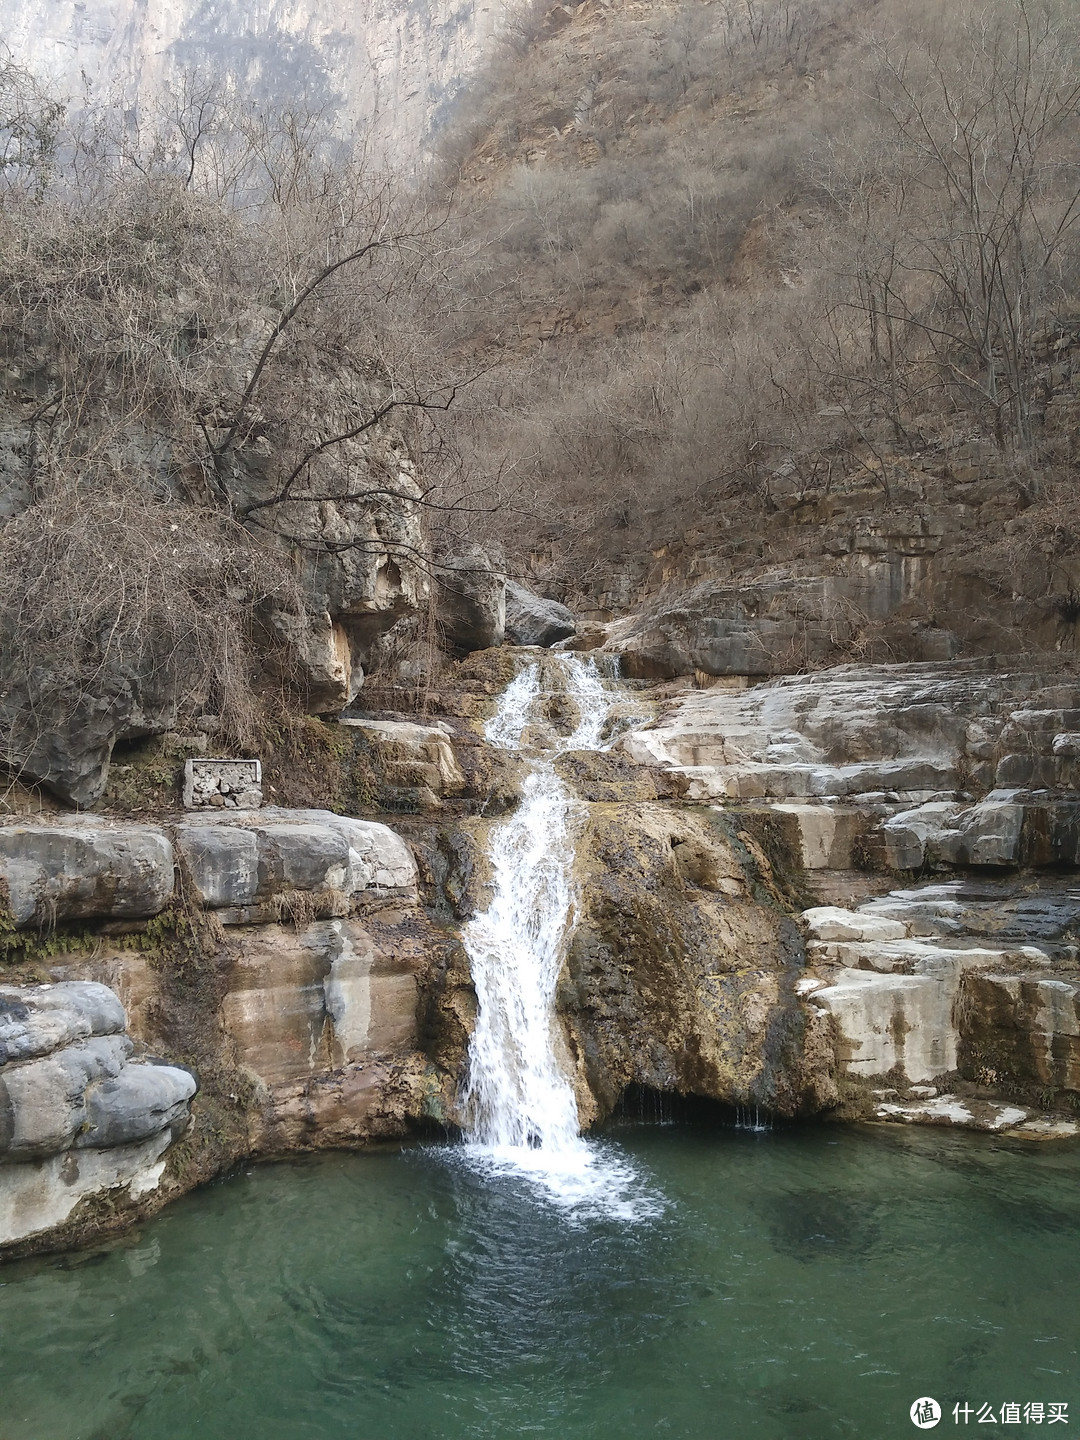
[933, 811]
[395, 68]
[273, 955]
[961, 561]
[815, 896]
[314, 584]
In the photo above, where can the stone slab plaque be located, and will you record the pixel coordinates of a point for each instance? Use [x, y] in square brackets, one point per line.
[211, 784]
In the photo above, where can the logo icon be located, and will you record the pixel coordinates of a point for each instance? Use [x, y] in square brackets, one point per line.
[925, 1413]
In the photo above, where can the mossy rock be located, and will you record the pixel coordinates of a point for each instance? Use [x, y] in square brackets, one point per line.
[607, 777]
[148, 775]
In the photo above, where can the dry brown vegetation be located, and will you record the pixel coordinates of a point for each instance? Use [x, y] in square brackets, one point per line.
[734, 250]
[703, 257]
[212, 330]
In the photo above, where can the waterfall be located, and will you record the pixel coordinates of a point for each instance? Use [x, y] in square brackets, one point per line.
[520, 1108]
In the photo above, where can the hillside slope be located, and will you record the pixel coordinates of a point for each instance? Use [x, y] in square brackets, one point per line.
[784, 291]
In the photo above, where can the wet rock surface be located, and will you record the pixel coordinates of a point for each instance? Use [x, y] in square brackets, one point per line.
[417, 763]
[682, 968]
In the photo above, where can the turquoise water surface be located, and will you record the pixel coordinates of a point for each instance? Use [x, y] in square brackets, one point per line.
[800, 1284]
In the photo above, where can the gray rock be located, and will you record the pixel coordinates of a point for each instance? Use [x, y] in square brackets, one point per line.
[43, 1102]
[975, 979]
[532, 620]
[71, 754]
[328, 674]
[247, 858]
[224, 863]
[35, 1020]
[138, 1102]
[304, 857]
[472, 603]
[986, 834]
[83, 871]
[64, 1077]
[37, 1198]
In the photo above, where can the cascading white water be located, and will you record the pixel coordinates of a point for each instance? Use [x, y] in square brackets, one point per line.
[521, 1111]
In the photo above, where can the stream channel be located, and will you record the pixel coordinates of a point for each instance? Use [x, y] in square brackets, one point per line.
[674, 1278]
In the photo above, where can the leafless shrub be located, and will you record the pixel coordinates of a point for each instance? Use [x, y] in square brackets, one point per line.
[215, 334]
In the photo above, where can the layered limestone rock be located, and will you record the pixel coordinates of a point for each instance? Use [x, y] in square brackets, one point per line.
[774, 626]
[266, 864]
[326, 1016]
[79, 1117]
[918, 565]
[83, 870]
[962, 981]
[248, 865]
[893, 767]
[280, 963]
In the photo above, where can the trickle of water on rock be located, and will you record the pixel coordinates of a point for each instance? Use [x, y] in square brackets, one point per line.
[521, 1111]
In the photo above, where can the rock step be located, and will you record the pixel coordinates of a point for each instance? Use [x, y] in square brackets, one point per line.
[980, 980]
[240, 861]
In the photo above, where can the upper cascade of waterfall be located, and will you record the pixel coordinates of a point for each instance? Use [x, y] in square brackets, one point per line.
[516, 704]
[520, 1106]
[521, 706]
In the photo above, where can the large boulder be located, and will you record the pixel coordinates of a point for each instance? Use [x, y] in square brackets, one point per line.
[44, 1018]
[256, 866]
[139, 1101]
[532, 620]
[65, 1077]
[83, 870]
[472, 603]
[43, 1101]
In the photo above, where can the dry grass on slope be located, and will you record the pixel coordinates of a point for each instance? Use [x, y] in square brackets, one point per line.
[728, 255]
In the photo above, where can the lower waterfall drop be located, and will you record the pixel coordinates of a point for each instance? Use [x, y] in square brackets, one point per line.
[520, 1107]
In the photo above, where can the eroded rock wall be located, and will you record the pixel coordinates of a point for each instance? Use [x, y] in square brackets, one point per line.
[393, 69]
[80, 1116]
[933, 813]
[682, 970]
[276, 966]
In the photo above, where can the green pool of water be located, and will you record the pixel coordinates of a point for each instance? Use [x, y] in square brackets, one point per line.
[799, 1284]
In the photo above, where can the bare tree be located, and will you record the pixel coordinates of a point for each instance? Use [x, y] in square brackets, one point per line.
[964, 221]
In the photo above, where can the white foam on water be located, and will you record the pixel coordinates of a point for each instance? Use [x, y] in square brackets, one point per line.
[592, 1180]
[516, 705]
[520, 1109]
